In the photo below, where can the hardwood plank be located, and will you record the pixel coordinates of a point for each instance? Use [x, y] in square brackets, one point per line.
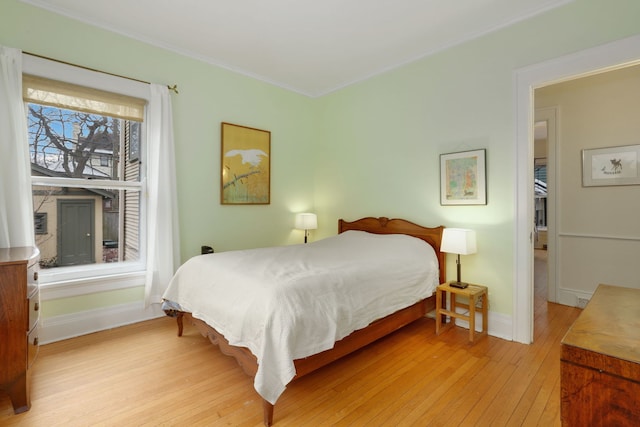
[535, 397]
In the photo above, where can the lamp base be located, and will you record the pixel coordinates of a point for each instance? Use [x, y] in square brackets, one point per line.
[459, 285]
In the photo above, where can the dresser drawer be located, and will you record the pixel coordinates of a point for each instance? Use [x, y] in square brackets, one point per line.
[32, 276]
[34, 308]
[33, 344]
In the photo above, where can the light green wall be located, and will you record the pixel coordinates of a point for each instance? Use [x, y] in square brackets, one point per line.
[208, 95]
[62, 306]
[369, 149]
[382, 138]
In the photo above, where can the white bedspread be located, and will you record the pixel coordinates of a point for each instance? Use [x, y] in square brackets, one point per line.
[289, 302]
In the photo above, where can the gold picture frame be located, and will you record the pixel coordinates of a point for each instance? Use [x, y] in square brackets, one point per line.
[463, 178]
[245, 158]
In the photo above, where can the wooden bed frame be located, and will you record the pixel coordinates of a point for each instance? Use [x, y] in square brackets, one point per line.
[357, 339]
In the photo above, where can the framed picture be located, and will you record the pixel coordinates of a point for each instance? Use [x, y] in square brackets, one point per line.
[463, 179]
[610, 166]
[245, 165]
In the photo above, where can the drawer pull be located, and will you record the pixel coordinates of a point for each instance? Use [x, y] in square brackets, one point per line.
[35, 341]
[35, 276]
[36, 306]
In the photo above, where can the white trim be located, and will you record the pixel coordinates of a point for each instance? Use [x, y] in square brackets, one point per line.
[76, 287]
[88, 272]
[523, 197]
[572, 297]
[590, 61]
[500, 325]
[86, 183]
[72, 325]
[600, 236]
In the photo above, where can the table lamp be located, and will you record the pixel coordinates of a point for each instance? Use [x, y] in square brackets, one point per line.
[306, 222]
[458, 241]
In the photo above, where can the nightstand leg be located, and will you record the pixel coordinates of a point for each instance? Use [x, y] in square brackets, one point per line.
[485, 313]
[472, 317]
[438, 308]
[452, 307]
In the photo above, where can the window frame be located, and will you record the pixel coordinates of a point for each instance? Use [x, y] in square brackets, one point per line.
[78, 280]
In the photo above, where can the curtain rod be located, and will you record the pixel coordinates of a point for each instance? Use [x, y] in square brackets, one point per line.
[173, 88]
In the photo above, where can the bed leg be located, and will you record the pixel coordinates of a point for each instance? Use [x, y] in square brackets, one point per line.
[180, 325]
[267, 410]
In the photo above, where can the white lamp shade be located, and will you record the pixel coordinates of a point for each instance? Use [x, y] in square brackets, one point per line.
[306, 221]
[458, 241]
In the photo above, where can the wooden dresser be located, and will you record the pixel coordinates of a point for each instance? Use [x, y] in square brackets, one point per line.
[600, 361]
[19, 315]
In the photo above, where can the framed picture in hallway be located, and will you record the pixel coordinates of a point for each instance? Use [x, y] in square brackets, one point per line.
[611, 166]
[463, 179]
[245, 165]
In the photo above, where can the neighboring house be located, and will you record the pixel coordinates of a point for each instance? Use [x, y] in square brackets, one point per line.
[76, 226]
[66, 231]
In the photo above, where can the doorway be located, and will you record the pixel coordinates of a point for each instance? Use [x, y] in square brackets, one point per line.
[544, 203]
[609, 56]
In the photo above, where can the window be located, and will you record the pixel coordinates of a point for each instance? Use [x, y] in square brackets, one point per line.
[40, 222]
[540, 191]
[70, 145]
[82, 179]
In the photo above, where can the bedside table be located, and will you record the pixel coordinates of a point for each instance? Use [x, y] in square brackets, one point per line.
[473, 293]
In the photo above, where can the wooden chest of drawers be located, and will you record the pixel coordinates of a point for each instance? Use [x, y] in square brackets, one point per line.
[19, 321]
[600, 361]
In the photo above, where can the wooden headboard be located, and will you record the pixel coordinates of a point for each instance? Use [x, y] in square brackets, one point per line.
[382, 225]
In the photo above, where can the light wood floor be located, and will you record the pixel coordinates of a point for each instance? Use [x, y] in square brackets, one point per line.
[144, 375]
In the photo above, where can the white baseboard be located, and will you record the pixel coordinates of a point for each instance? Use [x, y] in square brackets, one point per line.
[66, 326]
[573, 297]
[500, 325]
[72, 325]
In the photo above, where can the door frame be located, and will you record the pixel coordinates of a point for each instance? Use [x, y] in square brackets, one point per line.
[609, 56]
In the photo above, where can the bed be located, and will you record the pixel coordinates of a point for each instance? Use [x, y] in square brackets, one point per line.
[325, 300]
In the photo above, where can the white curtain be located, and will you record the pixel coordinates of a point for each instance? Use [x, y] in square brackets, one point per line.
[163, 244]
[16, 205]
